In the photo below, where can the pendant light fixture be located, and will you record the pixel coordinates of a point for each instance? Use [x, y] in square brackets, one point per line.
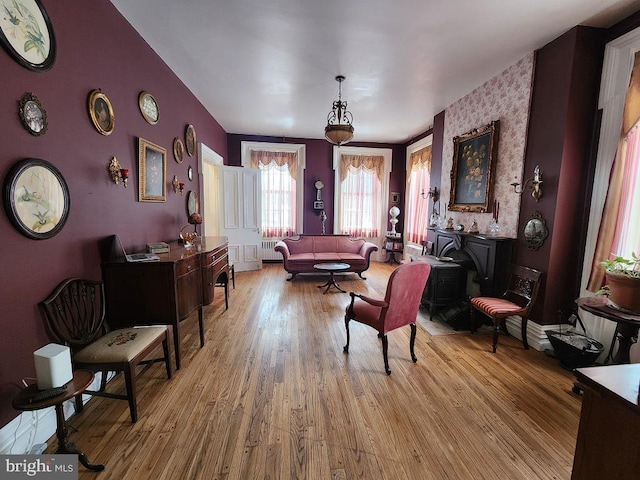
[339, 129]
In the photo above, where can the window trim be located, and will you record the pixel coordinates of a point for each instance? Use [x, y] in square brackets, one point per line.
[414, 147]
[300, 150]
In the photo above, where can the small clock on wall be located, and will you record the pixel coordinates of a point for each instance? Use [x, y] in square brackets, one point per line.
[148, 107]
[318, 204]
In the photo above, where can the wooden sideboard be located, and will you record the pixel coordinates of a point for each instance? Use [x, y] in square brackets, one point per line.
[609, 431]
[166, 291]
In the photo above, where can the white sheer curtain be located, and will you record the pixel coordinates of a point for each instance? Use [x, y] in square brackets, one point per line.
[418, 181]
[361, 187]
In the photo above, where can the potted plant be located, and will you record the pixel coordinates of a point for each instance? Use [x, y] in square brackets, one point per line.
[623, 282]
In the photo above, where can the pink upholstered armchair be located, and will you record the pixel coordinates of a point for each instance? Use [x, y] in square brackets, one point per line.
[398, 308]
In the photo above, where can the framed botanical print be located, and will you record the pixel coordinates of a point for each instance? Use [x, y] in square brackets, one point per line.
[190, 140]
[26, 34]
[101, 112]
[472, 174]
[36, 198]
[148, 107]
[152, 172]
[32, 114]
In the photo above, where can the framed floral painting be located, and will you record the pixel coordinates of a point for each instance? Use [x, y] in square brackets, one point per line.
[26, 34]
[472, 174]
[152, 172]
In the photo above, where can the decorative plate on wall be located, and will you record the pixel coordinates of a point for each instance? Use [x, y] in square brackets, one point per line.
[101, 112]
[190, 140]
[26, 34]
[178, 150]
[36, 198]
[32, 114]
[148, 107]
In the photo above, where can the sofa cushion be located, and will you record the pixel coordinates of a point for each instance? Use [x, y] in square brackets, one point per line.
[327, 256]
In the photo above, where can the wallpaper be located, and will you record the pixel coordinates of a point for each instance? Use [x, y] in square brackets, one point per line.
[506, 97]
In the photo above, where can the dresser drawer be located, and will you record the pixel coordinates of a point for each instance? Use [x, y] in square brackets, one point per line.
[212, 257]
[187, 265]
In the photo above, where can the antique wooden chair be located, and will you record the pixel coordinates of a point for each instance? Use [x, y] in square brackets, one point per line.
[519, 299]
[398, 308]
[74, 314]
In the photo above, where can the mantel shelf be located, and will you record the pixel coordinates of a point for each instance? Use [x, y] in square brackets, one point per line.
[481, 236]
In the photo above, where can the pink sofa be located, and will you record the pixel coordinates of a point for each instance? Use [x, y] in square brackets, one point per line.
[302, 253]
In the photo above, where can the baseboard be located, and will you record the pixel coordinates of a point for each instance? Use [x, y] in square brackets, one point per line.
[536, 337]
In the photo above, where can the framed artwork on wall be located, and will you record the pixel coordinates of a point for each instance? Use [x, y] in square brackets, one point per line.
[148, 107]
[36, 198]
[101, 112]
[472, 174]
[26, 34]
[178, 150]
[152, 172]
[32, 114]
[190, 140]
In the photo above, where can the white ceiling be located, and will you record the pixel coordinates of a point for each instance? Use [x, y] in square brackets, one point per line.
[267, 67]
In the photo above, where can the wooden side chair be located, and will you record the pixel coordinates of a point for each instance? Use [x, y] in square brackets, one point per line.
[519, 299]
[74, 314]
[398, 308]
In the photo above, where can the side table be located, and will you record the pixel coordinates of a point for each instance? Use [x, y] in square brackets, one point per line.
[78, 384]
[331, 268]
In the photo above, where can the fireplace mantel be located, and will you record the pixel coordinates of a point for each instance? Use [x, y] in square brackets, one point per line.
[491, 256]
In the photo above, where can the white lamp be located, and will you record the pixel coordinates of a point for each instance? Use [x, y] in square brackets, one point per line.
[53, 366]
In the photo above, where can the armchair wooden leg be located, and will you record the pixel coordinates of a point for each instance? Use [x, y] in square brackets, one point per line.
[346, 325]
[130, 382]
[523, 331]
[412, 342]
[385, 347]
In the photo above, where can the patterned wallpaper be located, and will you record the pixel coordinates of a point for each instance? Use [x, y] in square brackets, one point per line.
[506, 97]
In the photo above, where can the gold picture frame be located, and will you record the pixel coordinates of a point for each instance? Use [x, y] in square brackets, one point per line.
[101, 112]
[178, 150]
[472, 174]
[149, 107]
[152, 172]
[190, 140]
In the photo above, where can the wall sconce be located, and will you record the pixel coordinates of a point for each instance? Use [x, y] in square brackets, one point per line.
[433, 194]
[535, 184]
[177, 185]
[116, 173]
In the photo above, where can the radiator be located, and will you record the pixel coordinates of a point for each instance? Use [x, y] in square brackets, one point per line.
[268, 253]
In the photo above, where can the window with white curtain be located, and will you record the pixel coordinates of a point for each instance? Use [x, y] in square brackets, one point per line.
[418, 182]
[281, 167]
[362, 186]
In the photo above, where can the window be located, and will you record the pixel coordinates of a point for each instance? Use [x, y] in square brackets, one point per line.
[362, 185]
[418, 183]
[281, 167]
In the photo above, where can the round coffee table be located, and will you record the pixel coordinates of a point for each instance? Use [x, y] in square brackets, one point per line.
[331, 268]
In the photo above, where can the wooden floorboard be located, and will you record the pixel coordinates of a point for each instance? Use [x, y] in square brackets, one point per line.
[272, 395]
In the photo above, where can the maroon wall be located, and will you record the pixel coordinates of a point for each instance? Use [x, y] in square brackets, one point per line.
[319, 166]
[96, 49]
[563, 110]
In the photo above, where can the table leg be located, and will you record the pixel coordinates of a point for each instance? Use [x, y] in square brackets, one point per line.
[331, 282]
[627, 336]
[66, 447]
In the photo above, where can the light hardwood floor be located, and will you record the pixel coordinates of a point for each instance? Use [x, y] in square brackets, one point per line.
[272, 395]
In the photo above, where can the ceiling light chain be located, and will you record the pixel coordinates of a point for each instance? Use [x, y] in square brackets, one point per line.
[339, 129]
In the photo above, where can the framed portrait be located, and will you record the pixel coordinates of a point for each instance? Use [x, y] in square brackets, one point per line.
[190, 140]
[26, 34]
[101, 112]
[148, 107]
[36, 198]
[178, 150]
[32, 115]
[472, 174]
[152, 172]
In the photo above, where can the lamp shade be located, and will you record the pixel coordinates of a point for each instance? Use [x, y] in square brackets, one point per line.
[338, 134]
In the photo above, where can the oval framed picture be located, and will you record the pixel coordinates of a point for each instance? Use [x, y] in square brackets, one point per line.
[26, 34]
[32, 114]
[149, 107]
[192, 203]
[101, 112]
[190, 140]
[190, 173]
[36, 198]
[178, 150]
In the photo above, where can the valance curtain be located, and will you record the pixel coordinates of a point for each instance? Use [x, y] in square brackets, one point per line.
[418, 181]
[619, 232]
[361, 203]
[278, 188]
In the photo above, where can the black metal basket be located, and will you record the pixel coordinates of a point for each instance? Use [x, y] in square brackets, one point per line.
[573, 349]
